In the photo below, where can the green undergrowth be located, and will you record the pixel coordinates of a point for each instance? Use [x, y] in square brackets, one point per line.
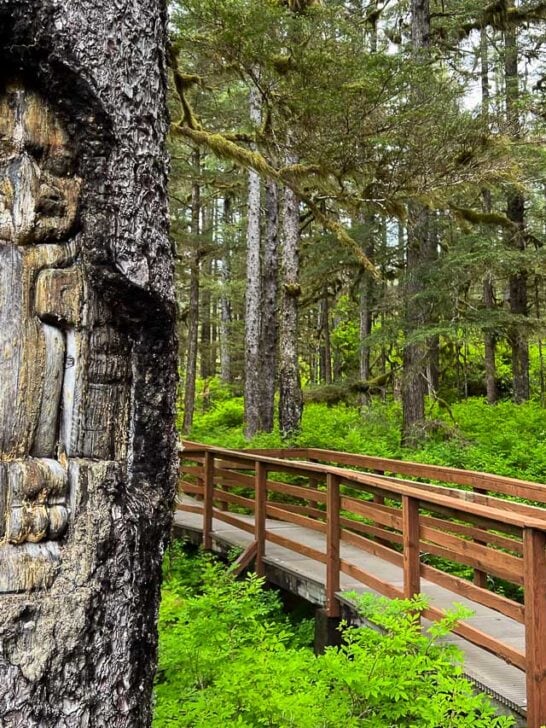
[229, 656]
[505, 439]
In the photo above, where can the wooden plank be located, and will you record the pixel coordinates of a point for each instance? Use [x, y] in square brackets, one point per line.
[245, 559]
[475, 593]
[316, 513]
[532, 518]
[232, 520]
[534, 544]
[208, 488]
[298, 491]
[411, 553]
[333, 536]
[482, 557]
[188, 508]
[373, 547]
[447, 581]
[384, 537]
[296, 546]
[371, 581]
[391, 517]
[481, 639]
[486, 481]
[237, 500]
[190, 489]
[280, 513]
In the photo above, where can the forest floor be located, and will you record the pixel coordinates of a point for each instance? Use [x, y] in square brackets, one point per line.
[505, 439]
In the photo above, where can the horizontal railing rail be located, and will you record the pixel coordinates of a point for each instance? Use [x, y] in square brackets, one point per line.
[425, 528]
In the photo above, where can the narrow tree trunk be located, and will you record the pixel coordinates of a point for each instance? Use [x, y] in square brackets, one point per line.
[225, 298]
[516, 212]
[325, 348]
[206, 324]
[270, 311]
[193, 306]
[415, 352]
[291, 397]
[253, 290]
[490, 341]
[366, 302]
[87, 442]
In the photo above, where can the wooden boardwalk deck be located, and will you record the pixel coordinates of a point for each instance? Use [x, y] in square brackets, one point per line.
[320, 524]
[306, 578]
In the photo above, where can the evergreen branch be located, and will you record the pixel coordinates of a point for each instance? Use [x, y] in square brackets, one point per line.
[251, 159]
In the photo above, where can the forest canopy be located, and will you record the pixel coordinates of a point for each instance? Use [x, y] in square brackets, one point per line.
[358, 196]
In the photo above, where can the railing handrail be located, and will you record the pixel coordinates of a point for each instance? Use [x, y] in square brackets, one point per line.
[424, 492]
[459, 476]
[404, 525]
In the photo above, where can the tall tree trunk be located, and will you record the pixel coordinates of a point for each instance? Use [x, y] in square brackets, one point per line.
[225, 299]
[414, 384]
[87, 442]
[490, 341]
[516, 212]
[325, 349]
[270, 312]
[193, 307]
[366, 303]
[291, 397]
[415, 351]
[253, 290]
[206, 370]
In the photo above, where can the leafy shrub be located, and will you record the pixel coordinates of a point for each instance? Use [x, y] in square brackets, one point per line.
[506, 439]
[229, 657]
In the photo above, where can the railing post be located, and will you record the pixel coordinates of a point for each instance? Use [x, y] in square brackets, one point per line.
[410, 535]
[480, 577]
[260, 490]
[333, 536]
[208, 497]
[313, 485]
[534, 580]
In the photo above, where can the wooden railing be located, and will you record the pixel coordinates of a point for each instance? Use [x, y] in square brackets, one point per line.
[398, 520]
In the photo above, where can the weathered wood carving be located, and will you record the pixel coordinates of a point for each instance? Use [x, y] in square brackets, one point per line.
[64, 370]
[87, 359]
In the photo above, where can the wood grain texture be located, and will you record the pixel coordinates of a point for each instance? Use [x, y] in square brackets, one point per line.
[81, 652]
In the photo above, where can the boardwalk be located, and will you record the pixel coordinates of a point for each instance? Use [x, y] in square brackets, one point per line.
[324, 539]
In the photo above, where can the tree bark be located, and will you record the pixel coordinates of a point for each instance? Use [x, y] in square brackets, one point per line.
[193, 306]
[415, 351]
[225, 299]
[490, 342]
[270, 312]
[253, 290]
[517, 335]
[87, 446]
[291, 396]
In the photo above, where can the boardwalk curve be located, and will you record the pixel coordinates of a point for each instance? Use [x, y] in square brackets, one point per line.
[320, 523]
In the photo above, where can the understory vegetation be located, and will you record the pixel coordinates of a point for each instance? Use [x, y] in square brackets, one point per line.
[505, 439]
[229, 656]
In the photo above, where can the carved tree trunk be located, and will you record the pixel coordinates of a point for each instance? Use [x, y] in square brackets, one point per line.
[87, 360]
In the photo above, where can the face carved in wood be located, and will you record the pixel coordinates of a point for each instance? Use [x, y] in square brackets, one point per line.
[38, 192]
[40, 304]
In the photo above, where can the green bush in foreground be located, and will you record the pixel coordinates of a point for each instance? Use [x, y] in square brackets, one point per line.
[229, 657]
